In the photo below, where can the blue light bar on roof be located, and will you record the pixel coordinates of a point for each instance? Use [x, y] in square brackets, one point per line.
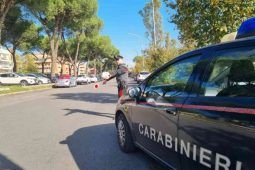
[247, 29]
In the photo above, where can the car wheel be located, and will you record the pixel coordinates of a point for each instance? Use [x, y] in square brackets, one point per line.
[40, 82]
[23, 83]
[125, 138]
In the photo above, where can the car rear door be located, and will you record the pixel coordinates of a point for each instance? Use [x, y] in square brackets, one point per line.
[155, 117]
[216, 125]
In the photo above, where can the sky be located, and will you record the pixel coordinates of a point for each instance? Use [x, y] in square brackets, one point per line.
[122, 21]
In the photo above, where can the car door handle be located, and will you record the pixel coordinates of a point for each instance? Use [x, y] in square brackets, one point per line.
[172, 111]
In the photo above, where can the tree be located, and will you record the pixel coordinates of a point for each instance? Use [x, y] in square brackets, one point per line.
[5, 6]
[100, 48]
[55, 15]
[206, 22]
[18, 33]
[78, 32]
[29, 65]
[159, 56]
[40, 46]
[148, 20]
[138, 60]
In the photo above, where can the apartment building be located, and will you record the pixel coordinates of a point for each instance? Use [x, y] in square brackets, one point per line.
[6, 62]
[44, 63]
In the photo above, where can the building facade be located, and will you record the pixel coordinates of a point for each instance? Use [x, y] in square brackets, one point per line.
[6, 62]
[44, 66]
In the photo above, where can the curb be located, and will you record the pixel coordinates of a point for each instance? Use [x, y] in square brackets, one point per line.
[21, 92]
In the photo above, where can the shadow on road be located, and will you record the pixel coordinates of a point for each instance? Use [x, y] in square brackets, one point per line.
[72, 111]
[96, 147]
[6, 163]
[89, 97]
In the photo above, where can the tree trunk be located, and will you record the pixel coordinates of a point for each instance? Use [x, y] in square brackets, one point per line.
[1, 27]
[87, 67]
[54, 56]
[4, 8]
[95, 67]
[42, 67]
[76, 58]
[62, 70]
[70, 69]
[14, 60]
[75, 70]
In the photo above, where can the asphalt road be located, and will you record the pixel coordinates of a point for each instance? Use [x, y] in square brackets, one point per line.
[64, 129]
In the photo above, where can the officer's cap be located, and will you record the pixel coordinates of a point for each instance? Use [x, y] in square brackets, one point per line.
[118, 57]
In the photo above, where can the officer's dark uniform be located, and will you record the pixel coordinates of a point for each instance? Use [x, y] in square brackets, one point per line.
[121, 75]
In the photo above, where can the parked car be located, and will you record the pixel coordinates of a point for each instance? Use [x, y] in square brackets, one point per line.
[93, 79]
[40, 75]
[105, 75]
[53, 79]
[39, 78]
[13, 78]
[142, 76]
[83, 79]
[65, 81]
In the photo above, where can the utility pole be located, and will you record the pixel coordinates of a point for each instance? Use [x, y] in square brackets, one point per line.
[154, 24]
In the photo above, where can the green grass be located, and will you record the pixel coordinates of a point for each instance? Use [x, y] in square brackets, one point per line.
[17, 88]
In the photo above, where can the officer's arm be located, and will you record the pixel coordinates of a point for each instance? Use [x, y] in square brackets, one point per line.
[112, 76]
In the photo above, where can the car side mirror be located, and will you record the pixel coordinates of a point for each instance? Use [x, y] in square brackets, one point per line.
[134, 92]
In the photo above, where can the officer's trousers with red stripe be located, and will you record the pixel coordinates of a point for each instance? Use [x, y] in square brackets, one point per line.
[120, 91]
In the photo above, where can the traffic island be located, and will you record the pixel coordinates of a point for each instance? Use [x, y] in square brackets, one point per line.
[7, 90]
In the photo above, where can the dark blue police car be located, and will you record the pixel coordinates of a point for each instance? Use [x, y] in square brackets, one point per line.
[197, 111]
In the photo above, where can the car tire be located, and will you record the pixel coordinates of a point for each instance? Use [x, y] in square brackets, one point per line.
[124, 135]
[24, 83]
[40, 82]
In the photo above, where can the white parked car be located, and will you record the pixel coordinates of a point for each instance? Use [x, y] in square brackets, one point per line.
[93, 79]
[105, 75]
[13, 78]
[142, 76]
[82, 79]
[65, 81]
[40, 79]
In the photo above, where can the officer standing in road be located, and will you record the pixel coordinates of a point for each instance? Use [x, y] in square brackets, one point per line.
[121, 75]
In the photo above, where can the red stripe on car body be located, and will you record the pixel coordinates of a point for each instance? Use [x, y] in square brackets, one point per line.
[204, 107]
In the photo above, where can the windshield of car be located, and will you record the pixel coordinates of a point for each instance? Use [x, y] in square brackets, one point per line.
[31, 75]
[20, 74]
